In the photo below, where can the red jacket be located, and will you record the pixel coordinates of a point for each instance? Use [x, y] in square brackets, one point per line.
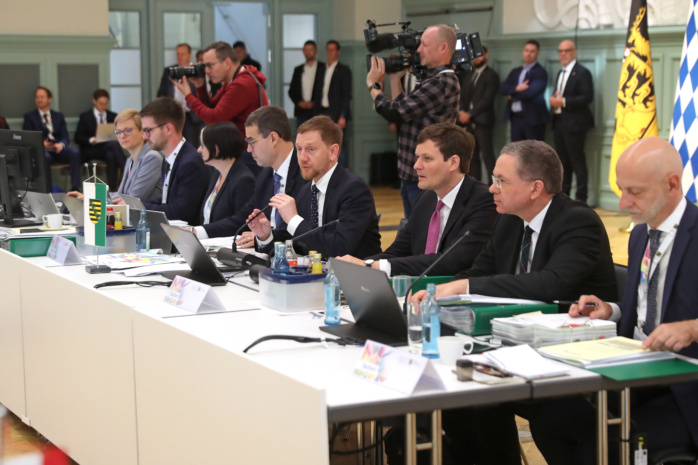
[233, 102]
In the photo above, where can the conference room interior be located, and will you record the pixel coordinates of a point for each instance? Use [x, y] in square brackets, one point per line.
[123, 45]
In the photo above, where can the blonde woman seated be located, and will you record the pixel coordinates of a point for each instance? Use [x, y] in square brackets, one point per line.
[143, 171]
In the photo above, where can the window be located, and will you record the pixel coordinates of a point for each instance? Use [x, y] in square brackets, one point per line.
[298, 28]
[125, 58]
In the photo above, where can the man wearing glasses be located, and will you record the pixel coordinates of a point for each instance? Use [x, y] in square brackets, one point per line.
[270, 142]
[185, 177]
[572, 118]
[544, 246]
[241, 94]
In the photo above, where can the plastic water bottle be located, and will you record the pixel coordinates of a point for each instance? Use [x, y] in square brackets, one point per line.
[143, 234]
[332, 298]
[431, 323]
[291, 254]
[279, 264]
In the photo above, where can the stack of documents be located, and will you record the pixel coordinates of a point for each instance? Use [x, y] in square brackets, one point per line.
[520, 361]
[543, 330]
[603, 352]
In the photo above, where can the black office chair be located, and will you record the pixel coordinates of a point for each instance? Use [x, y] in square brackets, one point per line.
[676, 456]
[621, 278]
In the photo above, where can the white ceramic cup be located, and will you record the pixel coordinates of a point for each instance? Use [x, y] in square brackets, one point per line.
[53, 221]
[450, 349]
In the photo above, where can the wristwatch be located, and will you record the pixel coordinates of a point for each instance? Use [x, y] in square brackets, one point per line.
[369, 262]
[375, 85]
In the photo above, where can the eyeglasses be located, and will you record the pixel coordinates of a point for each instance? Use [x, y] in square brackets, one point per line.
[127, 132]
[209, 66]
[499, 182]
[251, 142]
[148, 130]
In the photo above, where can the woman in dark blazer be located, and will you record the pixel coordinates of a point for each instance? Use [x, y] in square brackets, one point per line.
[231, 183]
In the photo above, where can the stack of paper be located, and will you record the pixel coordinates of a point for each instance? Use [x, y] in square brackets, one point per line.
[520, 361]
[603, 352]
[541, 330]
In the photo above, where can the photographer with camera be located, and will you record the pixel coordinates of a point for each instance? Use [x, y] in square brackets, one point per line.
[434, 100]
[241, 94]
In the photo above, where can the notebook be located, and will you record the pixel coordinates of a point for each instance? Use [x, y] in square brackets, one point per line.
[377, 313]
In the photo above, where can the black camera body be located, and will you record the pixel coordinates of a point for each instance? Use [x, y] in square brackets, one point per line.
[468, 47]
[178, 72]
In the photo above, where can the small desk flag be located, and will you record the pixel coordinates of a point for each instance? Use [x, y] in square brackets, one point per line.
[95, 213]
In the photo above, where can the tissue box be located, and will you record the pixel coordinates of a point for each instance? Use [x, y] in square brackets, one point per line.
[291, 293]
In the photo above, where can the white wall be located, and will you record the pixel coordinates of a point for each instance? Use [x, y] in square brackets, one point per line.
[54, 17]
[349, 17]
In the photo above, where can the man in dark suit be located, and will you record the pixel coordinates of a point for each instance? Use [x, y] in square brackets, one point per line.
[185, 177]
[192, 123]
[335, 193]
[335, 98]
[270, 142]
[478, 88]
[658, 307]
[90, 148]
[546, 247]
[524, 87]
[572, 118]
[243, 57]
[56, 139]
[452, 204]
[306, 84]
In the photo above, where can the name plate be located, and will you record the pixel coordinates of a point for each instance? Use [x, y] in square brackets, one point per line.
[192, 296]
[63, 251]
[396, 369]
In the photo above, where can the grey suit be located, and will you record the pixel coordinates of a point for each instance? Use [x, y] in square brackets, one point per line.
[145, 177]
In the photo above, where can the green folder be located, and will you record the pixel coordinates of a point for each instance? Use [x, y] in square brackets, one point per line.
[654, 369]
[485, 313]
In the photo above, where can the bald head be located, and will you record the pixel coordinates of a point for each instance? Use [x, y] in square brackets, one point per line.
[648, 174]
[567, 52]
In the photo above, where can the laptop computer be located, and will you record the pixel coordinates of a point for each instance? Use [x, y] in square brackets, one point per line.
[134, 203]
[75, 207]
[203, 269]
[158, 237]
[372, 301]
[40, 204]
[105, 132]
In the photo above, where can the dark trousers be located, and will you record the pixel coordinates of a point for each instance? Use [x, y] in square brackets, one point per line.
[68, 155]
[564, 429]
[482, 435]
[570, 148]
[409, 190]
[483, 148]
[111, 153]
[520, 130]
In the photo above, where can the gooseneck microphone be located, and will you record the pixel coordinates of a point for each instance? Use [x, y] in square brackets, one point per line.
[235, 245]
[431, 267]
[338, 220]
[232, 257]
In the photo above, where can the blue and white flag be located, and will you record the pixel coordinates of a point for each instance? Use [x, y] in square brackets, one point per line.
[684, 126]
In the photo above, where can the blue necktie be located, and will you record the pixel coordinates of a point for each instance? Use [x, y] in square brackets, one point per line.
[314, 217]
[277, 189]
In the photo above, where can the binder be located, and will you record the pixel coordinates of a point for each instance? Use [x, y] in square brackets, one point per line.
[476, 319]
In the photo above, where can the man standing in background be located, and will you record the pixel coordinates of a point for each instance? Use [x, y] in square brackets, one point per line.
[335, 99]
[306, 84]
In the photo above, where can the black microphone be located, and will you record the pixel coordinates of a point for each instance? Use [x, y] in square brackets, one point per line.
[431, 267]
[338, 220]
[235, 245]
[232, 257]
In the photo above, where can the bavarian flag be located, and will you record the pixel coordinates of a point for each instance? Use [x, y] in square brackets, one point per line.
[95, 213]
[636, 113]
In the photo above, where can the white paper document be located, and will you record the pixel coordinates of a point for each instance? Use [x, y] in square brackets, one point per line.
[484, 299]
[521, 361]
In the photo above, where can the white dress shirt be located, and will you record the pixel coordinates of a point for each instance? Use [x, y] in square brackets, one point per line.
[326, 87]
[321, 184]
[170, 159]
[562, 82]
[308, 81]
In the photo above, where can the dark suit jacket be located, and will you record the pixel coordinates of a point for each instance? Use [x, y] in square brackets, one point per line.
[87, 127]
[473, 210]
[339, 93]
[166, 88]
[263, 191]
[532, 101]
[481, 95]
[578, 93]
[678, 300]
[348, 198]
[295, 90]
[572, 257]
[187, 187]
[33, 122]
[232, 196]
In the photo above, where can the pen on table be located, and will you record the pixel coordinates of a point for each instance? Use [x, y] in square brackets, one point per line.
[575, 302]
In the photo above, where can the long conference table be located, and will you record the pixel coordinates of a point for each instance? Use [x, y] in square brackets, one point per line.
[117, 376]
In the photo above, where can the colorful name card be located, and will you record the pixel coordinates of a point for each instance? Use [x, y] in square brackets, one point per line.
[63, 251]
[192, 296]
[396, 369]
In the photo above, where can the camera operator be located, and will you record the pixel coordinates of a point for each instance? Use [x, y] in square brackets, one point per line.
[241, 94]
[434, 100]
